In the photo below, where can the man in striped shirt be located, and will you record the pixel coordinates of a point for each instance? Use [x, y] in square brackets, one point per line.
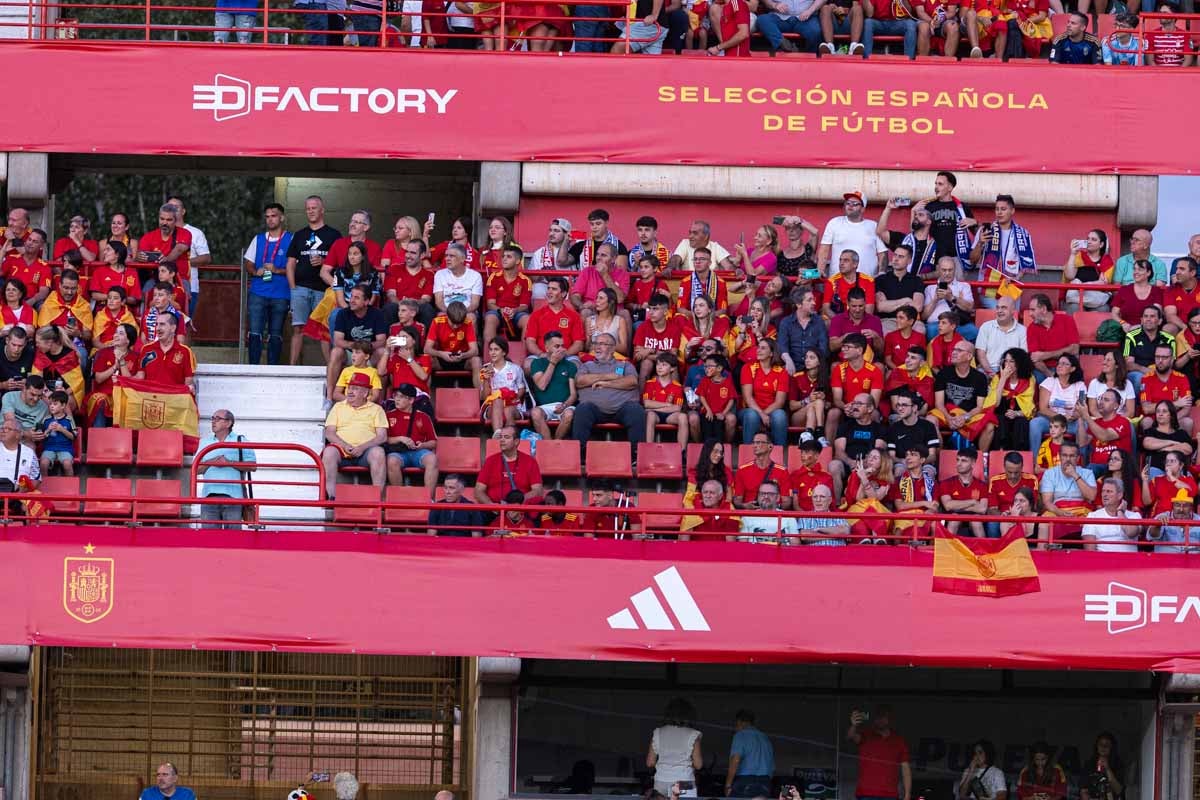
[1169, 46]
[835, 530]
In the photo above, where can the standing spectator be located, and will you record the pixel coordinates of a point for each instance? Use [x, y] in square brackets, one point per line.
[167, 785]
[552, 384]
[1109, 428]
[1181, 296]
[751, 759]
[508, 470]
[882, 756]
[1169, 46]
[982, 779]
[963, 493]
[608, 392]
[411, 440]
[76, 239]
[1003, 250]
[1111, 538]
[1075, 45]
[997, 336]
[455, 283]
[674, 752]
[950, 295]
[221, 480]
[30, 268]
[266, 262]
[796, 254]
[959, 392]
[1052, 334]
[359, 227]
[890, 18]
[750, 476]
[1003, 488]
[1058, 394]
[454, 514]
[851, 232]
[791, 16]
[231, 13]
[802, 331]
[306, 255]
[898, 287]
[1133, 298]
[1088, 262]
[169, 243]
[356, 430]
[1103, 768]
[1140, 242]
[557, 316]
[918, 237]
[950, 221]
[118, 225]
[764, 394]
[1067, 491]
[699, 235]
[1142, 342]
[199, 255]
[582, 254]
[845, 18]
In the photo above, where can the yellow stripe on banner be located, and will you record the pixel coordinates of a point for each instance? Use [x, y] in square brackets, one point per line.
[953, 559]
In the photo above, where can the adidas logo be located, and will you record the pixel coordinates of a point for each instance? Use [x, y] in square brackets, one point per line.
[654, 617]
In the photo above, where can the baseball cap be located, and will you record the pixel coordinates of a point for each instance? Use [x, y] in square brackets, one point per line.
[407, 389]
[856, 195]
[562, 223]
[360, 379]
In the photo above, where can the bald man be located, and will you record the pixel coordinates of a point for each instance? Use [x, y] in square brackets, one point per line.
[959, 391]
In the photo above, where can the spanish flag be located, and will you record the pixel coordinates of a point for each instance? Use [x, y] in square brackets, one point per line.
[983, 567]
[317, 326]
[1009, 288]
[67, 367]
[146, 404]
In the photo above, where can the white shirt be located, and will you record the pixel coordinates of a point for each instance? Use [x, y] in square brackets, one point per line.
[842, 234]
[960, 291]
[454, 287]
[673, 745]
[1062, 401]
[1110, 538]
[199, 248]
[1098, 387]
[993, 782]
[684, 251]
[766, 527]
[994, 341]
[252, 251]
[27, 467]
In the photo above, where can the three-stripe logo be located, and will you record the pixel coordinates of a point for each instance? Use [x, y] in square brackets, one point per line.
[653, 616]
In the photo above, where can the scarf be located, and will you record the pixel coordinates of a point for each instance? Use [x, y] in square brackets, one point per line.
[589, 249]
[637, 252]
[908, 487]
[106, 325]
[962, 238]
[993, 256]
[709, 291]
[549, 257]
[928, 262]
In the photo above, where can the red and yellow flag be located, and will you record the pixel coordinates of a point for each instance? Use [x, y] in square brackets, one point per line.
[146, 404]
[983, 567]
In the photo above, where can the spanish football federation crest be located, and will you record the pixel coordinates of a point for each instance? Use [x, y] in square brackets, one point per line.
[154, 412]
[88, 585]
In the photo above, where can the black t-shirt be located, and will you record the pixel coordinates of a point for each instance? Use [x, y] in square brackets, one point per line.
[15, 369]
[893, 289]
[1158, 458]
[361, 329]
[307, 242]
[944, 214]
[900, 437]
[859, 438]
[577, 248]
[966, 393]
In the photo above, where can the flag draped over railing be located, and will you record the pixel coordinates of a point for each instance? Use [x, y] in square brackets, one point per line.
[983, 567]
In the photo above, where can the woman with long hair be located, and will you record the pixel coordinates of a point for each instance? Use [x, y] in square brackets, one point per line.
[674, 752]
[1160, 490]
[1023, 505]
[114, 313]
[118, 226]
[756, 326]
[710, 466]
[1123, 466]
[1011, 395]
[982, 779]
[359, 271]
[404, 231]
[811, 395]
[764, 384]
[607, 320]
[1165, 435]
[116, 358]
[867, 489]
[500, 235]
[759, 262]
[1113, 375]
[1103, 775]
[708, 325]
[1132, 299]
[1058, 394]
[15, 311]
[460, 233]
[502, 387]
[1089, 264]
[57, 361]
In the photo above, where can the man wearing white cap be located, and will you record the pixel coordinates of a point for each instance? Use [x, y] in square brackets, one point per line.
[547, 256]
[852, 232]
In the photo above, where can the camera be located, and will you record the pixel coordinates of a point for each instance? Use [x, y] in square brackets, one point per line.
[1098, 786]
[810, 274]
[777, 220]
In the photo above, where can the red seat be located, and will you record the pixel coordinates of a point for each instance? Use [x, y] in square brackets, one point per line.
[160, 448]
[456, 406]
[666, 501]
[574, 497]
[609, 460]
[745, 454]
[458, 454]
[148, 487]
[110, 446]
[61, 484]
[516, 351]
[356, 515]
[558, 458]
[659, 460]
[995, 462]
[108, 487]
[1088, 322]
[982, 315]
[1091, 363]
[946, 465]
[406, 516]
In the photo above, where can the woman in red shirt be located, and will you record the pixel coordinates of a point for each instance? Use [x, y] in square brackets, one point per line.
[118, 358]
[76, 239]
[403, 365]
[764, 394]
[751, 329]
[460, 233]
[15, 311]
[810, 392]
[500, 235]
[1132, 299]
[1161, 490]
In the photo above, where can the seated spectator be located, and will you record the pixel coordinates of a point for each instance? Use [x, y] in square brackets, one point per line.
[603, 524]
[179, 298]
[1165, 436]
[1123, 466]
[607, 318]
[702, 282]
[502, 386]
[648, 283]
[1047, 453]
[359, 322]
[557, 523]
[608, 392]
[959, 393]
[983, 773]
[1088, 263]
[508, 470]
[1111, 538]
[773, 292]
[118, 225]
[1171, 536]
[57, 361]
[949, 294]
[808, 475]
[500, 235]
[1169, 46]
[909, 430]
[1011, 399]
[914, 492]
[941, 346]
[759, 263]
[460, 234]
[110, 316]
[224, 470]
[1181, 296]
[408, 313]
[885, 18]
[824, 531]
[159, 305]
[601, 274]
[403, 365]
[1002, 488]
[658, 334]
[914, 376]
[1067, 490]
[857, 435]
[1113, 375]
[853, 376]
[58, 436]
[552, 384]
[1051, 334]
[753, 474]
[869, 485]
[114, 273]
[456, 283]
[513, 522]
[857, 320]
[452, 344]
[710, 466]
[28, 408]
[118, 357]
[1187, 350]
[1021, 505]
[16, 360]
[1163, 383]
[939, 20]
[557, 316]
[1134, 298]
[356, 430]
[707, 325]
[764, 395]
[648, 245]
[714, 412]
[663, 399]
[898, 289]
[547, 256]
[1143, 342]
[412, 280]
[1075, 45]
[963, 493]
[811, 397]
[1123, 47]
[748, 331]
[586, 252]
[411, 440]
[454, 514]
[998, 336]
[1028, 23]
[700, 236]
[1160, 485]
[1109, 429]
[845, 280]
[1058, 394]
[360, 362]
[791, 16]
[765, 527]
[15, 312]
[802, 330]
[1140, 242]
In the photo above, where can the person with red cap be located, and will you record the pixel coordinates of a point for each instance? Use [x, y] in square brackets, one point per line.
[355, 429]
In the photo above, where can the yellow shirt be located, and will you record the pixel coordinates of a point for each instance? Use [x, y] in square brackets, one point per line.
[349, 372]
[356, 425]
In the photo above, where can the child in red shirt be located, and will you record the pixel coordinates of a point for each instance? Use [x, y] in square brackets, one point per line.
[663, 398]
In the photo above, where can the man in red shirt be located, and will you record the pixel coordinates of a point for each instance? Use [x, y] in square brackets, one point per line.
[411, 280]
[166, 360]
[750, 476]
[852, 376]
[963, 493]
[1003, 487]
[897, 343]
[880, 752]
[1110, 430]
[658, 334]
[912, 375]
[508, 470]
[734, 28]
[12, 237]
[166, 244]
[941, 347]
[554, 316]
[1163, 383]
[411, 440]
[507, 296]
[1169, 45]
[1049, 336]
[27, 266]
[360, 224]
[1181, 296]
[809, 475]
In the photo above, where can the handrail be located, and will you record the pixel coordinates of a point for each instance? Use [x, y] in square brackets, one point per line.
[194, 476]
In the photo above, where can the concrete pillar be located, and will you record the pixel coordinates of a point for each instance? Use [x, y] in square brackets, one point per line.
[494, 744]
[29, 185]
[1137, 203]
[499, 188]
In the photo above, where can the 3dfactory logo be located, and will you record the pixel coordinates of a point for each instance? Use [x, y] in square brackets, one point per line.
[229, 97]
[1127, 608]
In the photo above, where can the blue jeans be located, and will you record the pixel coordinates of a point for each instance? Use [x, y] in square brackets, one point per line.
[751, 786]
[773, 27]
[316, 24]
[224, 19]
[751, 423]
[304, 300]
[590, 23]
[968, 331]
[266, 313]
[891, 27]
[1135, 378]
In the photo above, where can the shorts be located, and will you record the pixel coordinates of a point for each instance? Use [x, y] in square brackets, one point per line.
[58, 456]
[304, 300]
[361, 461]
[644, 38]
[517, 318]
[551, 414]
[410, 459]
[663, 415]
[947, 25]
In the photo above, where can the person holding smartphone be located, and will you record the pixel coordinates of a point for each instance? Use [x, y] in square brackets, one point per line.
[882, 753]
[674, 752]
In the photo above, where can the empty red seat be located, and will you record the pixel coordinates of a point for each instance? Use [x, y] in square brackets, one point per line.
[516, 351]
[98, 488]
[1091, 364]
[61, 484]
[659, 460]
[558, 458]
[151, 488]
[160, 448]
[609, 460]
[456, 406]
[406, 516]
[458, 454]
[1088, 322]
[110, 446]
[358, 514]
[666, 501]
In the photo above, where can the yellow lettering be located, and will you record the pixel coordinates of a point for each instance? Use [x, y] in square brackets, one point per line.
[758, 96]
[666, 94]
[772, 122]
[688, 94]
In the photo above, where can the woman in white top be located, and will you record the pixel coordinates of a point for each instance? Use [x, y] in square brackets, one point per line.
[674, 753]
[1113, 375]
[982, 779]
[504, 383]
[1058, 394]
[607, 320]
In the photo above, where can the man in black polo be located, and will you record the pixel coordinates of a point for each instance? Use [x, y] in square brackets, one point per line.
[16, 360]
[898, 288]
[912, 430]
[1141, 342]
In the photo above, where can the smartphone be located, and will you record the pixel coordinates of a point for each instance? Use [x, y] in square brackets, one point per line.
[1082, 397]
[810, 274]
[320, 777]
[1079, 244]
[431, 217]
[777, 220]
[741, 238]
[943, 285]
[686, 786]
[903, 202]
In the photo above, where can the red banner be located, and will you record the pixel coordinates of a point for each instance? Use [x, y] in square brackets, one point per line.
[582, 599]
[654, 110]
